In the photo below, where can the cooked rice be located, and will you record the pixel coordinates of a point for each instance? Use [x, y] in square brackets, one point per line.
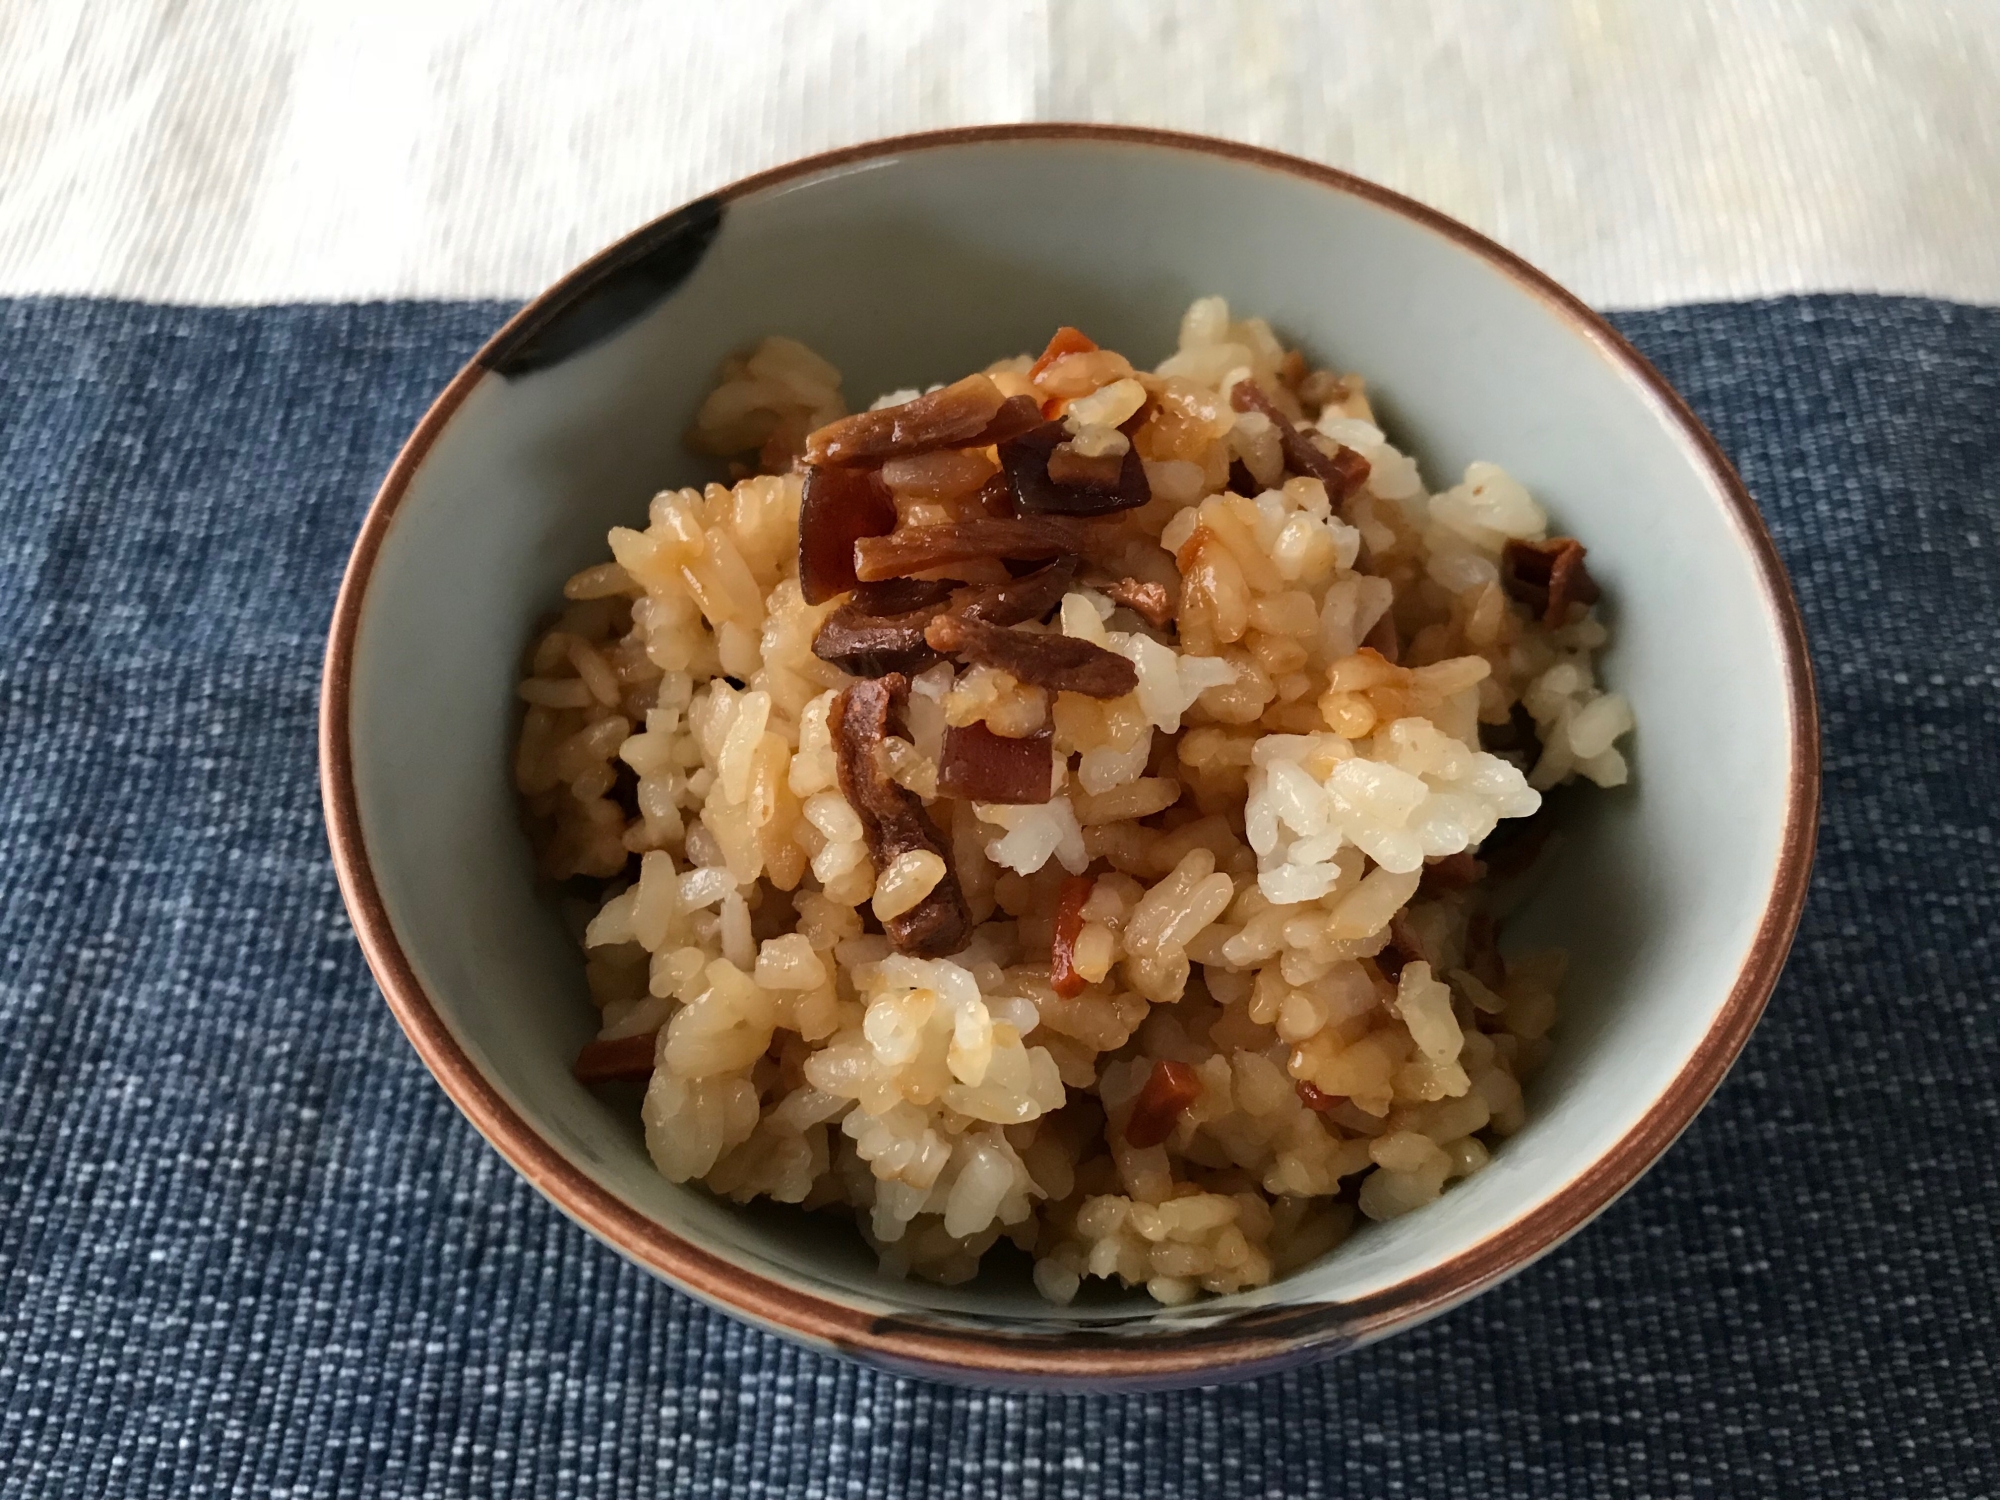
[1259, 815]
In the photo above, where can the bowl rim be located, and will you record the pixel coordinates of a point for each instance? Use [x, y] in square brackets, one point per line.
[1196, 1351]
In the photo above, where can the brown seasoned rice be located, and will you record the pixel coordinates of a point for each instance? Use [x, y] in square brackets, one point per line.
[1246, 929]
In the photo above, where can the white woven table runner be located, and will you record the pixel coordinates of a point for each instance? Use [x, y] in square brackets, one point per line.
[1644, 153]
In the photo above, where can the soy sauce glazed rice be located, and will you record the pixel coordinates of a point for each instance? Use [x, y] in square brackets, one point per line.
[1114, 876]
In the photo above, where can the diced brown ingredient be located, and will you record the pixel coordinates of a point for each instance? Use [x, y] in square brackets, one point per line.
[893, 820]
[980, 766]
[1548, 577]
[621, 1057]
[941, 419]
[871, 646]
[1316, 1100]
[1060, 663]
[1150, 601]
[1292, 369]
[917, 549]
[1075, 485]
[1065, 340]
[1063, 977]
[1018, 414]
[1172, 1087]
[1342, 471]
[839, 507]
[1451, 872]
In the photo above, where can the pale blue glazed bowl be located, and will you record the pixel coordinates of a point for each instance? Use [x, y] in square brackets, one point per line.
[911, 261]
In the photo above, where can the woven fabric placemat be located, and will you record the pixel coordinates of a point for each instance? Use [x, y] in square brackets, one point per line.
[247, 1247]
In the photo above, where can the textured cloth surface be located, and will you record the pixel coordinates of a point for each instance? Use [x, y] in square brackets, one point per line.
[1642, 153]
[248, 1248]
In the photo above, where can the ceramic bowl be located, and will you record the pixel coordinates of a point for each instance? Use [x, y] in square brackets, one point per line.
[911, 261]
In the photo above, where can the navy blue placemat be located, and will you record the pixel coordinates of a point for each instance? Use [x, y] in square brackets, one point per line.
[248, 1248]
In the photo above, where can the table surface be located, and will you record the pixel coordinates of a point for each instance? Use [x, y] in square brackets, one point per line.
[248, 1248]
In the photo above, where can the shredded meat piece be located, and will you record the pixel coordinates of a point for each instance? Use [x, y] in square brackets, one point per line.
[1343, 471]
[1172, 1087]
[1029, 597]
[893, 820]
[1049, 478]
[622, 1057]
[1451, 872]
[1060, 663]
[916, 549]
[875, 645]
[1149, 601]
[839, 507]
[880, 629]
[895, 596]
[1065, 340]
[980, 766]
[1316, 1100]
[1063, 978]
[1548, 577]
[941, 419]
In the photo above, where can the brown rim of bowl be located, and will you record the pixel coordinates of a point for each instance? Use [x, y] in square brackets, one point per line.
[998, 1356]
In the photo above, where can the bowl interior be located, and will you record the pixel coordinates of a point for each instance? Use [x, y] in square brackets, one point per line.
[919, 265]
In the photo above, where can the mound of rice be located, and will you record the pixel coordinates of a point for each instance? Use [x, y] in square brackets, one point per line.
[1233, 983]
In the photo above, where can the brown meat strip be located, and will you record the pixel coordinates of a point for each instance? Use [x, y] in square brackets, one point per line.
[1058, 662]
[1029, 597]
[946, 418]
[916, 549]
[881, 629]
[875, 645]
[893, 820]
[1548, 577]
[1342, 471]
